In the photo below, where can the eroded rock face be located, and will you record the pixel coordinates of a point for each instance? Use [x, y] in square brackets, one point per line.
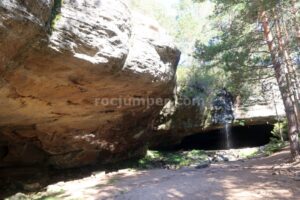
[178, 121]
[222, 108]
[54, 80]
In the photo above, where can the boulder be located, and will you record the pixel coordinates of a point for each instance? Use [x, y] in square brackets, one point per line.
[67, 70]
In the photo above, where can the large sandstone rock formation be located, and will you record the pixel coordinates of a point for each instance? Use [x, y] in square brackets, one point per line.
[58, 61]
[178, 120]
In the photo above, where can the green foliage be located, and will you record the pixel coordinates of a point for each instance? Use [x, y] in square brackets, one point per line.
[182, 75]
[273, 146]
[155, 159]
[196, 82]
[238, 48]
[240, 122]
[55, 20]
[56, 13]
[280, 130]
[248, 153]
[192, 25]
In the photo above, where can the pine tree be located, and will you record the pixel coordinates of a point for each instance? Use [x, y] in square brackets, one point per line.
[253, 37]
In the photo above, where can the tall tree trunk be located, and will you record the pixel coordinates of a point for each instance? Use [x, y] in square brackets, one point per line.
[291, 77]
[295, 21]
[283, 87]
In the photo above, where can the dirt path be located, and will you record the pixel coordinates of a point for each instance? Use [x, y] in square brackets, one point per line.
[263, 178]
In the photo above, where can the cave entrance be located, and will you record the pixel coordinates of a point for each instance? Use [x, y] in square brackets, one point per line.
[240, 137]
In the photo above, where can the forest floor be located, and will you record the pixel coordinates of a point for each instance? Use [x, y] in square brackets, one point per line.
[271, 177]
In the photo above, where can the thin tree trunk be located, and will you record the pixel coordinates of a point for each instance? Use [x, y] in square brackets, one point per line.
[283, 87]
[277, 115]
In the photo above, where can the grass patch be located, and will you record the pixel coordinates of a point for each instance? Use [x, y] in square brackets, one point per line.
[157, 159]
[273, 146]
[112, 180]
[47, 195]
[249, 153]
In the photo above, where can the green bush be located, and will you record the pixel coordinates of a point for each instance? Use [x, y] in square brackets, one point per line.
[274, 145]
[56, 13]
[280, 130]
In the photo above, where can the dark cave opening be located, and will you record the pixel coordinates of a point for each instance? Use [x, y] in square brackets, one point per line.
[240, 137]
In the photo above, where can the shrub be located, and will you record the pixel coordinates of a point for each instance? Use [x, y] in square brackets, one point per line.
[280, 130]
[155, 159]
[274, 145]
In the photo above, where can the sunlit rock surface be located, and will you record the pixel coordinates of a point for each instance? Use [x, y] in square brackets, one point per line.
[58, 63]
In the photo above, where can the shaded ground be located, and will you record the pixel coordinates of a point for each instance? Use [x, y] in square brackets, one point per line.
[260, 178]
[240, 137]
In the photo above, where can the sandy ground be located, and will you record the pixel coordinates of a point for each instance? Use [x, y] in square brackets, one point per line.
[261, 178]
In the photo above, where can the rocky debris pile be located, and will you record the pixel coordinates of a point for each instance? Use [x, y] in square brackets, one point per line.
[229, 156]
[233, 154]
